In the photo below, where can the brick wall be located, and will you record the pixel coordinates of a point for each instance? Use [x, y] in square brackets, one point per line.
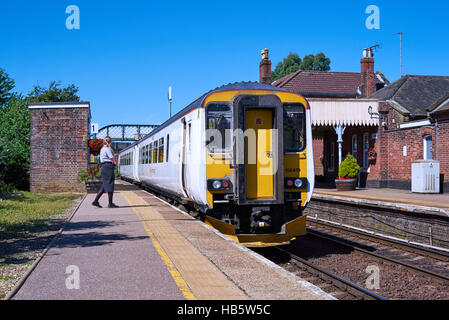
[402, 224]
[443, 124]
[392, 168]
[59, 147]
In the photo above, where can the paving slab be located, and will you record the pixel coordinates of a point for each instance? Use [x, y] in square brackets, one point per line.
[148, 249]
[113, 253]
[402, 199]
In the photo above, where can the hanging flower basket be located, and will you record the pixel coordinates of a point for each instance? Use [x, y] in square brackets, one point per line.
[95, 146]
[372, 154]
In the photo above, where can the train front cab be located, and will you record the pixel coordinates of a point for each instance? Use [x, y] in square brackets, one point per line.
[262, 170]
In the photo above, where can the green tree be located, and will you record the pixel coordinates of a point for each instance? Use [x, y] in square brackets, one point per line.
[321, 63]
[53, 93]
[289, 65]
[15, 142]
[6, 85]
[15, 128]
[293, 63]
[308, 62]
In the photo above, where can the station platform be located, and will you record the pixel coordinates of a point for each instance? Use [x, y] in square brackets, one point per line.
[404, 200]
[148, 249]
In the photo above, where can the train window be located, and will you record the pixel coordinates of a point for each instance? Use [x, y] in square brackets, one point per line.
[161, 150]
[155, 149]
[219, 121]
[294, 127]
[168, 145]
[150, 153]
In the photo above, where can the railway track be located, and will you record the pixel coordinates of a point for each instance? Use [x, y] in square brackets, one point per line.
[344, 277]
[426, 261]
[327, 281]
[336, 286]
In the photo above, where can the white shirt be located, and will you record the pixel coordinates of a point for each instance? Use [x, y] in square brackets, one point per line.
[106, 154]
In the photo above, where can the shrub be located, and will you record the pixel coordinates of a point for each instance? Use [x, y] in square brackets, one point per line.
[349, 168]
[92, 173]
[5, 190]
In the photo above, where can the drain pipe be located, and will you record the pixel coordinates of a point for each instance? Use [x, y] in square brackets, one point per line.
[437, 133]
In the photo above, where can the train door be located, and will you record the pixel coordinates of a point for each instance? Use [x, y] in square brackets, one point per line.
[187, 157]
[259, 154]
[135, 162]
[258, 150]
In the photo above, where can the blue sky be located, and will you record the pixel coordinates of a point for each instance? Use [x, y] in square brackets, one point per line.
[127, 53]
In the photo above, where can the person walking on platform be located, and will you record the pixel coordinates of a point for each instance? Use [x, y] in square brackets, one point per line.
[107, 173]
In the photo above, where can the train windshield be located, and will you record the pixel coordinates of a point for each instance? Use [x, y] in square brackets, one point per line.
[219, 125]
[294, 127]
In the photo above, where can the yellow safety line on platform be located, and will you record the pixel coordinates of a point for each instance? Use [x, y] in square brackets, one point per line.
[180, 282]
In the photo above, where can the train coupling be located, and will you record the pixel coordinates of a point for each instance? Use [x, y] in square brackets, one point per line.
[260, 219]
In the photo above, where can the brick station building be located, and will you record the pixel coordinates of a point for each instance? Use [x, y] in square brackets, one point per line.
[339, 104]
[404, 121]
[414, 125]
[59, 150]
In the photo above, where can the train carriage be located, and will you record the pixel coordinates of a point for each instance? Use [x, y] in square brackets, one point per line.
[240, 154]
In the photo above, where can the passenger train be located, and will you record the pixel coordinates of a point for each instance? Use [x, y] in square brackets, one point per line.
[240, 154]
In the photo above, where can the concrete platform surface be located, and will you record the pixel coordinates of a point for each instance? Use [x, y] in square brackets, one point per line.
[431, 203]
[147, 249]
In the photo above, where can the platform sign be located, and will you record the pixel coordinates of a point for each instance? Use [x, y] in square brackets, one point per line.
[94, 128]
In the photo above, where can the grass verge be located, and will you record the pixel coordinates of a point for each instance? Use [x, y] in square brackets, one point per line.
[28, 222]
[31, 212]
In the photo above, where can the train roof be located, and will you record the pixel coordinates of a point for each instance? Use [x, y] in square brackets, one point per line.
[199, 102]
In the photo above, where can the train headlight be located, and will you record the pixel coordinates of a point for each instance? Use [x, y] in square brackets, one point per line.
[216, 184]
[219, 184]
[295, 183]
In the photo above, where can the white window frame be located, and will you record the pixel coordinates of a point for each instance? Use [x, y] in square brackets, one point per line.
[425, 146]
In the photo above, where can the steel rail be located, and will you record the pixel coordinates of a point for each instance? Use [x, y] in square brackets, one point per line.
[431, 253]
[382, 257]
[338, 281]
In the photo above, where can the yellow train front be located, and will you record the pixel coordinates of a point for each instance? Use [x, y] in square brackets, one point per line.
[259, 163]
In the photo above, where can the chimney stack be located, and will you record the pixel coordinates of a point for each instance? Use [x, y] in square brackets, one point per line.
[368, 78]
[265, 68]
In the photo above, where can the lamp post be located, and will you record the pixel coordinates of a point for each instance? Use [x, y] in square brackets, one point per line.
[169, 100]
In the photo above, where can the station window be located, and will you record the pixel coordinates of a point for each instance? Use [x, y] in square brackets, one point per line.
[354, 146]
[219, 121]
[332, 157]
[161, 150]
[365, 150]
[428, 148]
[294, 127]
